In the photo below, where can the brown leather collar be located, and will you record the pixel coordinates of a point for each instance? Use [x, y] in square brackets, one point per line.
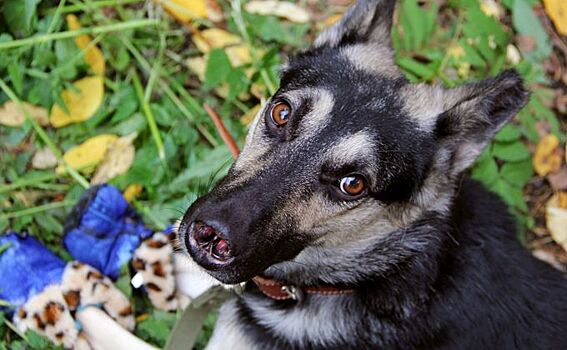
[282, 291]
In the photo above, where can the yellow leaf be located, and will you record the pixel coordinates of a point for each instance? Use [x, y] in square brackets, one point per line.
[283, 9]
[456, 51]
[117, 160]
[88, 154]
[556, 218]
[82, 104]
[249, 116]
[547, 157]
[132, 191]
[93, 55]
[239, 55]
[11, 114]
[213, 38]
[329, 21]
[197, 65]
[557, 11]
[185, 10]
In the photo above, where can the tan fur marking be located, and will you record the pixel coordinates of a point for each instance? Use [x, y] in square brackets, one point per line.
[372, 58]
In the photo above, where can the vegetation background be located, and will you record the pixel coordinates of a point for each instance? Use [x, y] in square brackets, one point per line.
[113, 90]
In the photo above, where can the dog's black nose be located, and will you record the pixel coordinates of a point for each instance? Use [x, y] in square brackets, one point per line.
[208, 243]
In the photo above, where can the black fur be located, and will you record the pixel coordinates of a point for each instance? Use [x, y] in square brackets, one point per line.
[473, 287]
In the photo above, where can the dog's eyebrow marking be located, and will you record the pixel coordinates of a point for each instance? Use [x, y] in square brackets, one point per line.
[352, 147]
[371, 58]
[322, 103]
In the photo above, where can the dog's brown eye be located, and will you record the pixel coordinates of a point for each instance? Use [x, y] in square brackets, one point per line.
[352, 185]
[280, 113]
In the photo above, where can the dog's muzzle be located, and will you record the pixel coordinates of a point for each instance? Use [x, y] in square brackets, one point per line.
[209, 245]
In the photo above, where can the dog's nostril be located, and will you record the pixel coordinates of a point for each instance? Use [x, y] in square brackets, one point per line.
[209, 241]
[221, 249]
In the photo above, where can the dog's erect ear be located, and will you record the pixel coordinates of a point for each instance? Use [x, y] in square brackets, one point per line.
[477, 112]
[368, 21]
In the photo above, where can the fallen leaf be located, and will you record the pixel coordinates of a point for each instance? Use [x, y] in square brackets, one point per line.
[213, 38]
[132, 191]
[86, 156]
[283, 9]
[249, 116]
[117, 160]
[240, 54]
[556, 218]
[93, 55]
[491, 8]
[513, 54]
[11, 114]
[558, 180]
[185, 10]
[81, 104]
[557, 11]
[197, 65]
[547, 157]
[526, 43]
[329, 21]
[548, 257]
[44, 159]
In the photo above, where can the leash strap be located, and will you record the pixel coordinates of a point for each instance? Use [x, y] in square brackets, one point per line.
[185, 332]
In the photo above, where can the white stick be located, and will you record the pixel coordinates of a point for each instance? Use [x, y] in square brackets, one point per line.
[103, 333]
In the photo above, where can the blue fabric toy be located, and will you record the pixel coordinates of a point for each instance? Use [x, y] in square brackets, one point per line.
[26, 268]
[103, 230]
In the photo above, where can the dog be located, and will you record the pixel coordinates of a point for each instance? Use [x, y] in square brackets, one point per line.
[351, 218]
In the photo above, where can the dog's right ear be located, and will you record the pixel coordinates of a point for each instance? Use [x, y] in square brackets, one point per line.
[368, 21]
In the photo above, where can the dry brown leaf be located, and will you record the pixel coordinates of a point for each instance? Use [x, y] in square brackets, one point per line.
[117, 160]
[44, 159]
[93, 55]
[558, 180]
[556, 218]
[88, 154]
[197, 65]
[283, 9]
[11, 114]
[547, 157]
[185, 10]
[557, 11]
[81, 105]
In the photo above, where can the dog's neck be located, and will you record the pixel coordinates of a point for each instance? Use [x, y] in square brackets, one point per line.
[403, 255]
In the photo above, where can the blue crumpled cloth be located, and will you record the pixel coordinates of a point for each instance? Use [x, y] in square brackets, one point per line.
[26, 268]
[103, 230]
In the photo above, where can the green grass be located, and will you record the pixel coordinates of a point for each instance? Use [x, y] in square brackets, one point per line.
[150, 90]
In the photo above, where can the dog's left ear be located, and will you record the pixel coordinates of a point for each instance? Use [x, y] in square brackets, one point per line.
[368, 21]
[474, 114]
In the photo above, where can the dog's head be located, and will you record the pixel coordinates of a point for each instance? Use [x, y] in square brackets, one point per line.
[345, 152]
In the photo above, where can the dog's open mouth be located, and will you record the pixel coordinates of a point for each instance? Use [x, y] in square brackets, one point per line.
[209, 244]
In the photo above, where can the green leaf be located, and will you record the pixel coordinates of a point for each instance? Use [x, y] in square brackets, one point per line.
[19, 14]
[511, 152]
[157, 327]
[526, 23]
[16, 76]
[517, 173]
[508, 134]
[486, 170]
[218, 68]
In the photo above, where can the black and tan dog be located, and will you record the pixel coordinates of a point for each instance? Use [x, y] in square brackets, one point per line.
[350, 210]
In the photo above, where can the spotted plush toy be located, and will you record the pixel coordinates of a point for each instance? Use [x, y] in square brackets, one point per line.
[45, 292]
[153, 263]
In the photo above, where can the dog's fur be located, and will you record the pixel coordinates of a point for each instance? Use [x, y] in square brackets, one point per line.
[432, 255]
